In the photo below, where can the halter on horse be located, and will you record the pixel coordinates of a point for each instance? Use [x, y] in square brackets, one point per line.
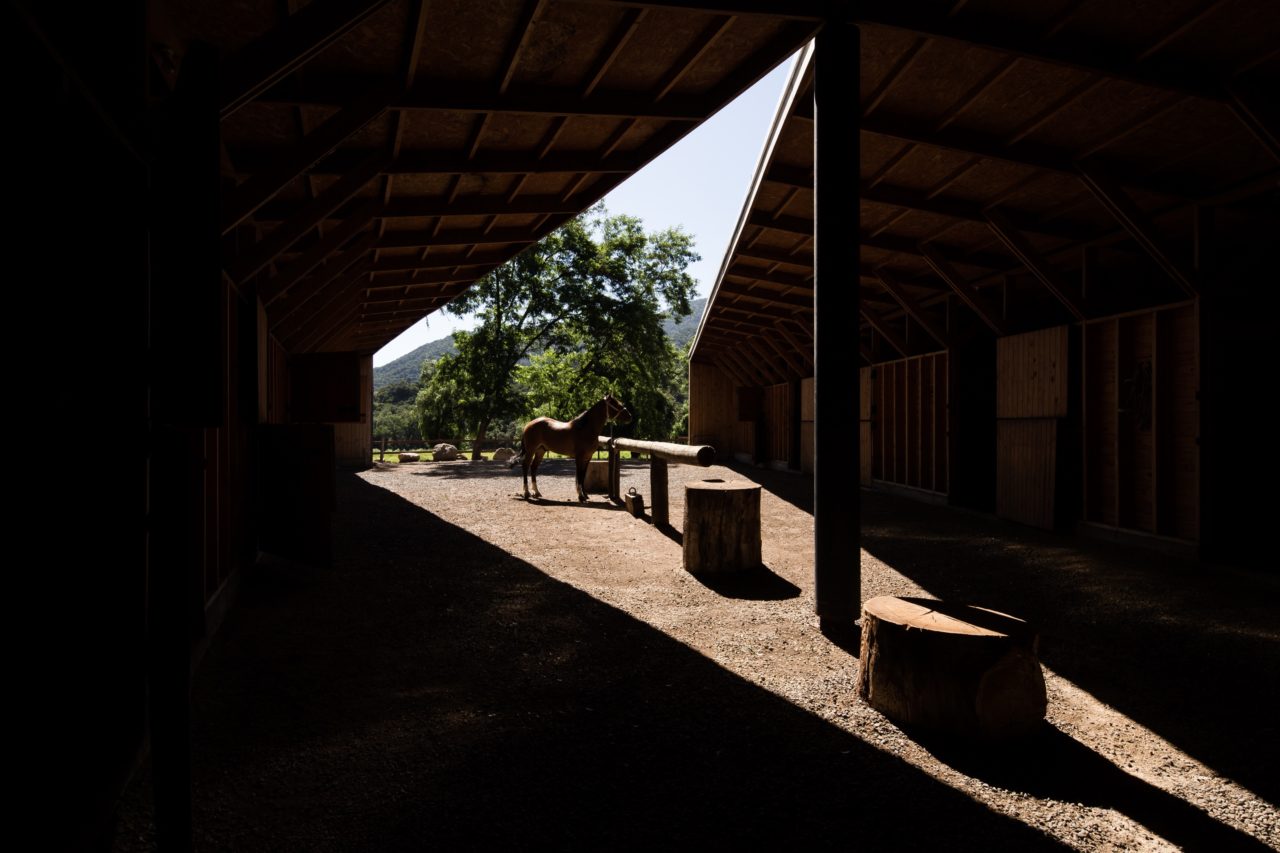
[577, 438]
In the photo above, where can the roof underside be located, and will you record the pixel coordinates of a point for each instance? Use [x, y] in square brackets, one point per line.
[1003, 147]
[381, 155]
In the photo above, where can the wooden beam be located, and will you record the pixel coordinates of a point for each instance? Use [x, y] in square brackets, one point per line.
[452, 96]
[836, 229]
[804, 351]
[412, 279]
[799, 10]
[249, 160]
[1026, 155]
[260, 189]
[304, 217]
[278, 286]
[301, 37]
[412, 208]
[886, 331]
[761, 294]
[441, 262]
[966, 291]
[865, 352]
[763, 363]
[770, 357]
[788, 280]
[427, 238]
[1021, 247]
[1112, 196]
[798, 367]
[748, 366]
[1257, 112]
[717, 358]
[1091, 56]
[912, 308]
[308, 295]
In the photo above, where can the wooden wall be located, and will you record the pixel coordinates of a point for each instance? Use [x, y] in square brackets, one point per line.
[713, 410]
[776, 422]
[1142, 422]
[1032, 394]
[908, 423]
[353, 441]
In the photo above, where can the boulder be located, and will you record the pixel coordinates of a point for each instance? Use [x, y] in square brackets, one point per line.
[409, 457]
[444, 453]
[503, 454]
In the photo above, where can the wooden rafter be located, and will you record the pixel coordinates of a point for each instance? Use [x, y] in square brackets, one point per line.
[1035, 262]
[1111, 61]
[1110, 195]
[967, 292]
[886, 331]
[307, 296]
[302, 219]
[912, 308]
[277, 286]
[295, 160]
[301, 37]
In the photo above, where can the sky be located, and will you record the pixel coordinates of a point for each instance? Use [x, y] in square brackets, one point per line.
[700, 184]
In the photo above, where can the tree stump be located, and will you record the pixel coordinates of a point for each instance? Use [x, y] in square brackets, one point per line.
[597, 479]
[954, 668]
[721, 526]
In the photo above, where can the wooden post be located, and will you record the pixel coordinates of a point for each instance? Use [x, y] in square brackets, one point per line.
[658, 487]
[836, 439]
[615, 472]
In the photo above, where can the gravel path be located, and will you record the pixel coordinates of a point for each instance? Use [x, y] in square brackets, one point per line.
[478, 671]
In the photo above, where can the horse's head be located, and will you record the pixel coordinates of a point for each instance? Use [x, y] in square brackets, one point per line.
[615, 410]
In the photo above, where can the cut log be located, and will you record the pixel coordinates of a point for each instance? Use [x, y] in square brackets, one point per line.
[721, 526]
[954, 668]
[597, 481]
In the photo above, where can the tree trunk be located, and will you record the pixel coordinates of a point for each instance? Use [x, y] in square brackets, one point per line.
[954, 668]
[480, 432]
[721, 526]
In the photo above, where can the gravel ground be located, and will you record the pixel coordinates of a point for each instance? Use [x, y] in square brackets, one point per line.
[478, 670]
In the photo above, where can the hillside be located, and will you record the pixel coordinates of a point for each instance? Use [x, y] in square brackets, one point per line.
[407, 367]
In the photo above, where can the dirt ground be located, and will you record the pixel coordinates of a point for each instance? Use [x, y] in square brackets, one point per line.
[478, 670]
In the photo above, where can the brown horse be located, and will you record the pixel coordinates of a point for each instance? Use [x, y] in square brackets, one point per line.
[577, 438]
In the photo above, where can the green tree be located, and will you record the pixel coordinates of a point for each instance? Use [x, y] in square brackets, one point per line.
[594, 292]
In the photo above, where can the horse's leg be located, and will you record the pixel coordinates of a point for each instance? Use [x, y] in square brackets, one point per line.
[524, 469]
[581, 479]
[537, 460]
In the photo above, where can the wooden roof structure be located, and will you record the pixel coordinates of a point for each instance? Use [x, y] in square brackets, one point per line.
[1006, 148]
[380, 156]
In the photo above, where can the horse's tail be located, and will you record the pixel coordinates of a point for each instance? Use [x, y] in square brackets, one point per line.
[518, 458]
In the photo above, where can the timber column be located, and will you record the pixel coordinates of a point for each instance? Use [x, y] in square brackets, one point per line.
[836, 156]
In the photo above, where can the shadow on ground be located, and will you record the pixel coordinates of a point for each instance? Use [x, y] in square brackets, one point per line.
[1189, 652]
[433, 690]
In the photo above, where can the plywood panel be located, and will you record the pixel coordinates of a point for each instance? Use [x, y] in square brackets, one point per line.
[1031, 374]
[806, 399]
[1026, 456]
[353, 441]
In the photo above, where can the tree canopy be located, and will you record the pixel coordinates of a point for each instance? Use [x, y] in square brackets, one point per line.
[577, 314]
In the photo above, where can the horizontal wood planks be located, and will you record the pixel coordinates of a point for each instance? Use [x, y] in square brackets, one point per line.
[353, 441]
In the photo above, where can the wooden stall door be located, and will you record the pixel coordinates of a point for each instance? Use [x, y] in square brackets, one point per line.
[1031, 398]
